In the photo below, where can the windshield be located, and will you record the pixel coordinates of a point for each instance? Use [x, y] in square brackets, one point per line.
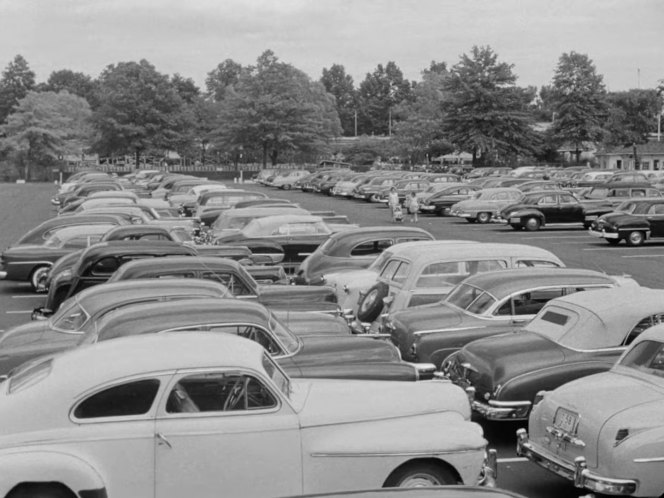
[284, 335]
[597, 193]
[647, 357]
[380, 261]
[71, 319]
[277, 375]
[471, 298]
[226, 222]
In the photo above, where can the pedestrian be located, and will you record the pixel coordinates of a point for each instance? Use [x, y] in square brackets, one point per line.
[413, 206]
[393, 203]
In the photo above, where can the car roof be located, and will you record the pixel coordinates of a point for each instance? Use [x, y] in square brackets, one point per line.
[145, 266]
[123, 247]
[423, 250]
[263, 211]
[279, 219]
[157, 316]
[505, 282]
[617, 302]
[388, 231]
[99, 297]
[655, 333]
[77, 371]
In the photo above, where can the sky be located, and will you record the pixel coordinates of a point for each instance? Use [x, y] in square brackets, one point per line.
[624, 38]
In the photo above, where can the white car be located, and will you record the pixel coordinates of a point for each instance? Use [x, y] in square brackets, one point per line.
[205, 415]
[605, 432]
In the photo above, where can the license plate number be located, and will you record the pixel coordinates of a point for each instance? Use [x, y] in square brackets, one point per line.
[565, 420]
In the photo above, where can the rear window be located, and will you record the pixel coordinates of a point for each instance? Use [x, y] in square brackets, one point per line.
[132, 398]
[370, 248]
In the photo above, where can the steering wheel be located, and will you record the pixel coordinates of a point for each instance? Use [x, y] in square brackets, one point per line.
[237, 393]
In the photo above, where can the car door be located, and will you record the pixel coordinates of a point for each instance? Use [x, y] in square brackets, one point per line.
[571, 210]
[222, 432]
[655, 217]
[548, 206]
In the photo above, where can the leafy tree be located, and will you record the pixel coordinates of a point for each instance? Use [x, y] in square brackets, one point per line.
[226, 74]
[485, 113]
[17, 80]
[578, 99]
[338, 83]
[278, 108]
[139, 110]
[379, 94]
[185, 88]
[632, 116]
[75, 83]
[419, 135]
[46, 125]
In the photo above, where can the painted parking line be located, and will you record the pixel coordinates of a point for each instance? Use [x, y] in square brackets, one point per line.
[512, 460]
[644, 256]
[36, 296]
[21, 312]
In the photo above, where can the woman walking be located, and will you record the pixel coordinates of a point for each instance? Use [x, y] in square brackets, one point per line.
[393, 205]
[413, 206]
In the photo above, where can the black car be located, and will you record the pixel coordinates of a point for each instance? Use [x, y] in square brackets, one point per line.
[644, 220]
[441, 202]
[537, 209]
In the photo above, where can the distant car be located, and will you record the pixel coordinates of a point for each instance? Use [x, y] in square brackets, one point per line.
[612, 445]
[354, 249]
[171, 401]
[422, 492]
[286, 179]
[234, 220]
[30, 262]
[537, 209]
[147, 232]
[486, 204]
[571, 337]
[221, 199]
[440, 202]
[370, 190]
[44, 230]
[484, 305]
[645, 221]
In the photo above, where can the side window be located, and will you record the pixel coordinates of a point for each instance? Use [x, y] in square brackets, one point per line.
[132, 398]
[234, 284]
[473, 267]
[656, 209]
[219, 392]
[643, 324]
[184, 274]
[371, 247]
[529, 302]
[105, 266]
[390, 268]
[154, 236]
[547, 200]
[252, 333]
[640, 192]
[440, 275]
[535, 263]
[567, 199]
[401, 273]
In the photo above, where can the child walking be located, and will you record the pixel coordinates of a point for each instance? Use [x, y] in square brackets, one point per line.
[413, 206]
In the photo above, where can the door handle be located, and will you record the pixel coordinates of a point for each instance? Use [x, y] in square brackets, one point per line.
[161, 440]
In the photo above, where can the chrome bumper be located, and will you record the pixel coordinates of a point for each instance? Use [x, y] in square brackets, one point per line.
[576, 472]
[3, 275]
[501, 410]
[427, 208]
[603, 234]
[489, 472]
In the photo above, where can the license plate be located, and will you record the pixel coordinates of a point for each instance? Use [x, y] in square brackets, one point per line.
[565, 420]
[515, 220]
[591, 218]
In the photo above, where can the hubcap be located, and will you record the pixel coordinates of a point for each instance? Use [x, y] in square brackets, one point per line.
[369, 300]
[420, 480]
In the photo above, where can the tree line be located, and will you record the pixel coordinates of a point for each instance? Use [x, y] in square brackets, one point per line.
[271, 111]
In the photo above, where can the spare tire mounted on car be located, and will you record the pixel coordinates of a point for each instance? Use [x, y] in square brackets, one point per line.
[371, 304]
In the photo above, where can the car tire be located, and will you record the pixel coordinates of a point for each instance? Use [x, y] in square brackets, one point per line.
[37, 274]
[635, 238]
[516, 226]
[471, 220]
[287, 186]
[532, 224]
[483, 217]
[371, 304]
[40, 490]
[419, 475]
[613, 242]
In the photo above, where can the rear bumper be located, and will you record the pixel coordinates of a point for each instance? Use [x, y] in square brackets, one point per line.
[3, 275]
[576, 472]
[603, 234]
[502, 410]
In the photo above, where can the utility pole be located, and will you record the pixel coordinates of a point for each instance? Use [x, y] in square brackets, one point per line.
[389, 122]
[355, 123]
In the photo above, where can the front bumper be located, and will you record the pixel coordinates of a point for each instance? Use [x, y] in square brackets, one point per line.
[576, 472]
[427, 208]
[502, 410]
[3, 275]
[489, 472]
[603, 234]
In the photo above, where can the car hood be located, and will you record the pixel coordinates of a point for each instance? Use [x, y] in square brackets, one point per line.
[435, 316]
[304, 323]
[325, 402]
[319, 350]
[497, 359]
[621, 218]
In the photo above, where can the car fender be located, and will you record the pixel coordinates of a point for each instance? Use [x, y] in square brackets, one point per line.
[529, 213]
[367, 453]
[44, 465]
[639, 457]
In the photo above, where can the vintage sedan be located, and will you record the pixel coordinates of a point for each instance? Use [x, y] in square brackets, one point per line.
[220, 407]
[298, 235]
[484, 305]
[572, 337]
[645, 221]
[604, 432]
[354, 249]
[238, 278]
[424, 275]
[442, 201]
[30, 262]
[538, 209]
[225, 199]
[44, 230]
[307, 354]
[486, 204]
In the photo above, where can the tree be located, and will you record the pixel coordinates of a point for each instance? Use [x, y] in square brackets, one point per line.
[579, 101]
[486, 114]
[75, 83]
[419, 134]
[17, 80]
[46, 125]
[185, 88]
[278, 108]
[139, 110]
[338, 83]
[632, 116]
[226, 74]
[378, 95]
